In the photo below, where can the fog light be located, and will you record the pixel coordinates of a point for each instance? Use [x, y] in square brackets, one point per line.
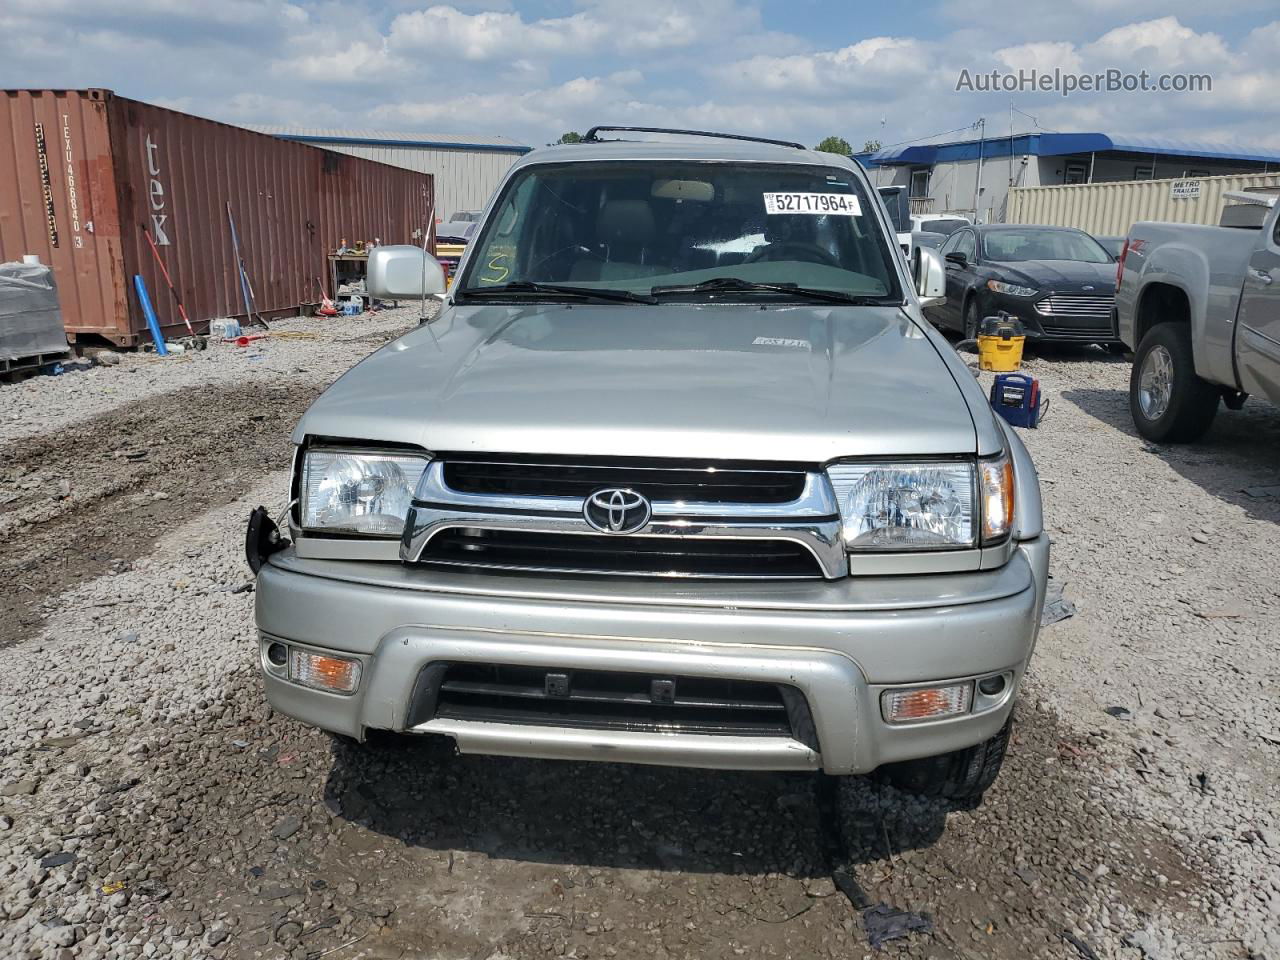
[926, 703]
[277, 654]
[991, 686]
[336, 674]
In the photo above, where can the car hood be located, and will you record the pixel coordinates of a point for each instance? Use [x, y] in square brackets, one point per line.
[1062, 276]
[786, 383]
[456, 231]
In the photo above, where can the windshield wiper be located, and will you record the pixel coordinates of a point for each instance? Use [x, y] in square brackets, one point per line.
[736, 284]
[521, 287]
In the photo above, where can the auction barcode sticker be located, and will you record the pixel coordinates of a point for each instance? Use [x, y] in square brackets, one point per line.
[841, 204]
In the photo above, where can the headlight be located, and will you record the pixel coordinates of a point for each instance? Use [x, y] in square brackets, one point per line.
[360, 493]
[924, 506]
[906, 506]
[1012, 289]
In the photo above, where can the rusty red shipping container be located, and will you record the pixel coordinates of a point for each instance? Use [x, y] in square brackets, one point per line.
[83, 173]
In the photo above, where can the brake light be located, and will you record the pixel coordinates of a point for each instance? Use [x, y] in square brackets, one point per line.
[1124, 252]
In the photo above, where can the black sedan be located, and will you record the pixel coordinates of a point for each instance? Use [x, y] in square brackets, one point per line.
[1058, 281]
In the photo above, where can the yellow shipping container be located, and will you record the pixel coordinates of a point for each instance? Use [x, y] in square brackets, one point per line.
[1110, 209]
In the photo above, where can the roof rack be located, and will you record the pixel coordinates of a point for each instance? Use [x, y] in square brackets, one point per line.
[592, 137]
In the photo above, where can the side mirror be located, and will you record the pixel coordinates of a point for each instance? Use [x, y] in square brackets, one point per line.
[403, 272]
[930, 275]
[959, 259]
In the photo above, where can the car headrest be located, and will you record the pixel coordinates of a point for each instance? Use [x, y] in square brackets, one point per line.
[625, 221]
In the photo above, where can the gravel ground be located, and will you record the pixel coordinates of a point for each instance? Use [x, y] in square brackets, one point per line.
[322, 348]
[151, 805]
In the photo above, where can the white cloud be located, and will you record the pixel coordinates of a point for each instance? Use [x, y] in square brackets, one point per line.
[549, 109]
[448, 33]
[1164, 43]
[616, 25]
[1042, 56]
[876, 62]
[1080, 20]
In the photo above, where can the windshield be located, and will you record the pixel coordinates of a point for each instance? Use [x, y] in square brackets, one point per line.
[1112, 245]
[636, 225]
[1013, 246]
[899, 208]
[945, 227]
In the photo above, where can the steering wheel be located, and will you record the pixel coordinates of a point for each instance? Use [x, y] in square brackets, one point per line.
[795, 250]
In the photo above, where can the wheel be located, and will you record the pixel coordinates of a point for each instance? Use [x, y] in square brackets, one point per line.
[960, 775]
[1169, 403]
[971, 319]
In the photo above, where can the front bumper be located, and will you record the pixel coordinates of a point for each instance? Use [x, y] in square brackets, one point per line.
[1041, 327]
[839, 643]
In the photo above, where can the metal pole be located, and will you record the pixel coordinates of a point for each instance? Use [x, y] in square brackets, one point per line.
[244, 283]
[169, 280]
[977, 186]
[1092, 156]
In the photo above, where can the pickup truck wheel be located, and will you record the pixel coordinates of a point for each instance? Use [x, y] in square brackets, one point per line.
[1169, 403]
[961, 775]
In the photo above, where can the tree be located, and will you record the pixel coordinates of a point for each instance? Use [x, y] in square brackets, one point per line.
[835, 145]
[571, 137]
[871, 146]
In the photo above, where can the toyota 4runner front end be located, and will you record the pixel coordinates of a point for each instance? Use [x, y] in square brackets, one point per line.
[679, 475]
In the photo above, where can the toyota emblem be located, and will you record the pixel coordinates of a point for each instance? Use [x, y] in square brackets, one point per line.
[616, 510]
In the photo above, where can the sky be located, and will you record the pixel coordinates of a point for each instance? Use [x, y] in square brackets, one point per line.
[796, 69]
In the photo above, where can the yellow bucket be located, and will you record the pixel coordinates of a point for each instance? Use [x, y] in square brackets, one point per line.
[1001, 354]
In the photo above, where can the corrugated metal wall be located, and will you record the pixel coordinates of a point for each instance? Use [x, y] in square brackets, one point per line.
[58, 199]
[464, 178]
[1110, 209]
[292, 205]
[172, 173]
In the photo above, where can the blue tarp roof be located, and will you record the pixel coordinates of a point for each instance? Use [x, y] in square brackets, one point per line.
[1059, 144]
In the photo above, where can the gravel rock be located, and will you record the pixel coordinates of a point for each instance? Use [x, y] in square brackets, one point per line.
[132, 709]
[59, 933]
[287, 827]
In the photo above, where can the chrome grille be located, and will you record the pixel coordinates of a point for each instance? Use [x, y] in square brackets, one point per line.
[718, 520]
[1088, 334]
[630, 556]
[657, 480]
[1077, 305]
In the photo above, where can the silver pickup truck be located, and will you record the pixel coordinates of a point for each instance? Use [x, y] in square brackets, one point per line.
[1200, 308]
[678, 475]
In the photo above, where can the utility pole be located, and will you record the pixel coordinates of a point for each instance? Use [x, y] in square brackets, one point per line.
[1011, 142]
[977, 187]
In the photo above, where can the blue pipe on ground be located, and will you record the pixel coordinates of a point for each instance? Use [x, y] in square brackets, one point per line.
[149, 312]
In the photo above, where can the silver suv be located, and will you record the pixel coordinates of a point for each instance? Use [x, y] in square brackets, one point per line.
[678, 475]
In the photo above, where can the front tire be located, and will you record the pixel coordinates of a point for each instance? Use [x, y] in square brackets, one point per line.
[963, 775]
[1168, 401]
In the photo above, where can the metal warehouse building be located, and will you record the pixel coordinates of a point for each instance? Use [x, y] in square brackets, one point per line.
[975, 177]
[466, 168]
